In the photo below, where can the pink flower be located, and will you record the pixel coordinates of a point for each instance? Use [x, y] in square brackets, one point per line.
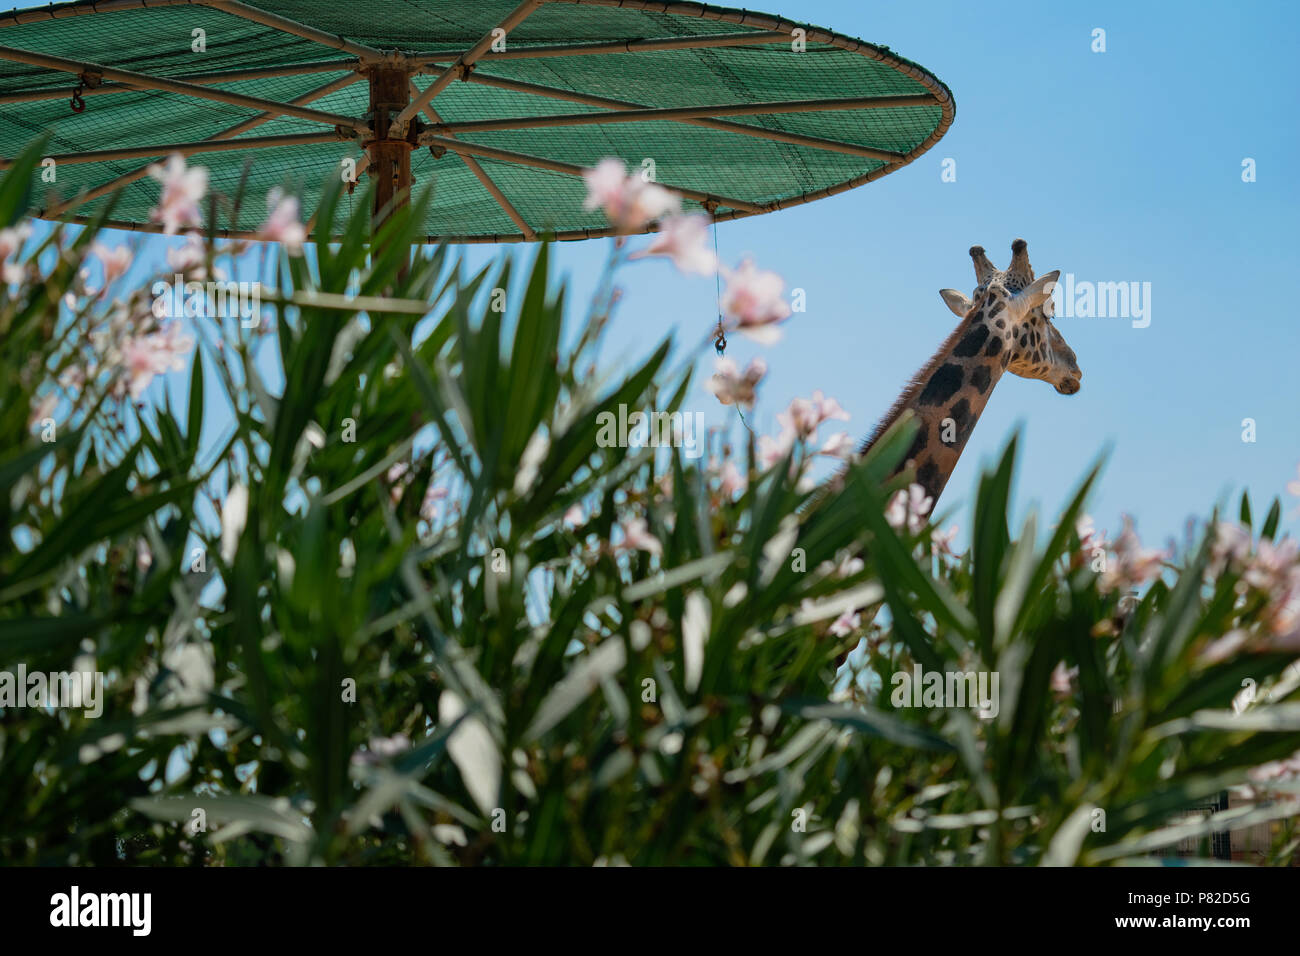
[115, 261]
[732, 480]
[629, 202]
[190, 259]
[1062, 680]
[1277, 771]
[909, 509]
[800, 419]
[284, 224]
[182, 191]
[637, 538]
[1230, 549]
[685, 240]
[12, 239]
[42, 408]
[1133, 564]
[574, 516]
[11, 242]
[754, 301]
[839, 445]
[380, 749]
[941, 541]
[429, 506]
[1272, 564]
[157, 353]
[828, 408]
[731, 386]
[1089, 536]
[846, 624]
[73, 377]
[772, 450]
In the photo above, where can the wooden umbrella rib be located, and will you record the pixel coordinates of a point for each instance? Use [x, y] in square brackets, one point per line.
[692, 112]
[176, 86]
[649, 45]
[64, 11]
[285, 25]
[466, 60]
[569, 169]
[757, 132]
[188, 149]
[481, 175]
[200, 79]
[239, 129]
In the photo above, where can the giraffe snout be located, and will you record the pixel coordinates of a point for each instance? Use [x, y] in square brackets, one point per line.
[1068, 386]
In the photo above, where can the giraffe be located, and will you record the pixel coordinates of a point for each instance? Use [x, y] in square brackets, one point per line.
[1003, 328]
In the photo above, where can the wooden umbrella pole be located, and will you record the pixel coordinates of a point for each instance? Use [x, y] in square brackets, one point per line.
[388, 158]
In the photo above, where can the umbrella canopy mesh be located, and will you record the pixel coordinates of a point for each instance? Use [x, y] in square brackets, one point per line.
[758, 166]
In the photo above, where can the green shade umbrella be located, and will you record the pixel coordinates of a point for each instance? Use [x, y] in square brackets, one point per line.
[498, 104]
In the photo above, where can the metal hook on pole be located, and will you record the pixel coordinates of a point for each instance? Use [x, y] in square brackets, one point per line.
[85, 81]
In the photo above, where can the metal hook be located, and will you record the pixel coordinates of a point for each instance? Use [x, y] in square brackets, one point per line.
[78, 103]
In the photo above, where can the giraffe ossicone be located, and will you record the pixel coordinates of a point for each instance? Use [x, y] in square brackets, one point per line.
[1004, 328]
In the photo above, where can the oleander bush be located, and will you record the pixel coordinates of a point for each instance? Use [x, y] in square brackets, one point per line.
[408, 606]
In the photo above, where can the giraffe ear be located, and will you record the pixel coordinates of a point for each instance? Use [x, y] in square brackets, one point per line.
[956, 301]
[1040, 290]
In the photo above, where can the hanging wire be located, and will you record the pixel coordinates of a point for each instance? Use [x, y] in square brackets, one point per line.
[719, 343]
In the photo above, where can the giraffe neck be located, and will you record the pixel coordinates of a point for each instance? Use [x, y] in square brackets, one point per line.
[948, 396]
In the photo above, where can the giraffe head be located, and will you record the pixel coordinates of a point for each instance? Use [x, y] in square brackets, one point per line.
[1011, 303]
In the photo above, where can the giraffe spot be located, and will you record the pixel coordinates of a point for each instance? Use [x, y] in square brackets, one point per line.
[995, 346]
[997, 307]
[1006, 358]
[980, 378]
[1001, 324]
[927, 476]
[960, 413]
[972, 342]
[918, 443]
[942, 386]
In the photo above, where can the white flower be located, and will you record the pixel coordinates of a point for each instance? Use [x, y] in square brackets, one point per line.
[379, 749]
[182, 191]
[234, 516]
[284, 224]
[696, 621]
[733, 387]
[157, 353]
[637, 538]
[629, 202]
[429, 506]
[116, 261]
[732, 481]
[685, 240]
[42, 408]
[839, 445]
[754, 301]
[1133, 564]
[846, 624]
[909, 509]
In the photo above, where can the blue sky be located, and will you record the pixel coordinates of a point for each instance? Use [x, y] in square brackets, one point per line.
[1117, 166]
